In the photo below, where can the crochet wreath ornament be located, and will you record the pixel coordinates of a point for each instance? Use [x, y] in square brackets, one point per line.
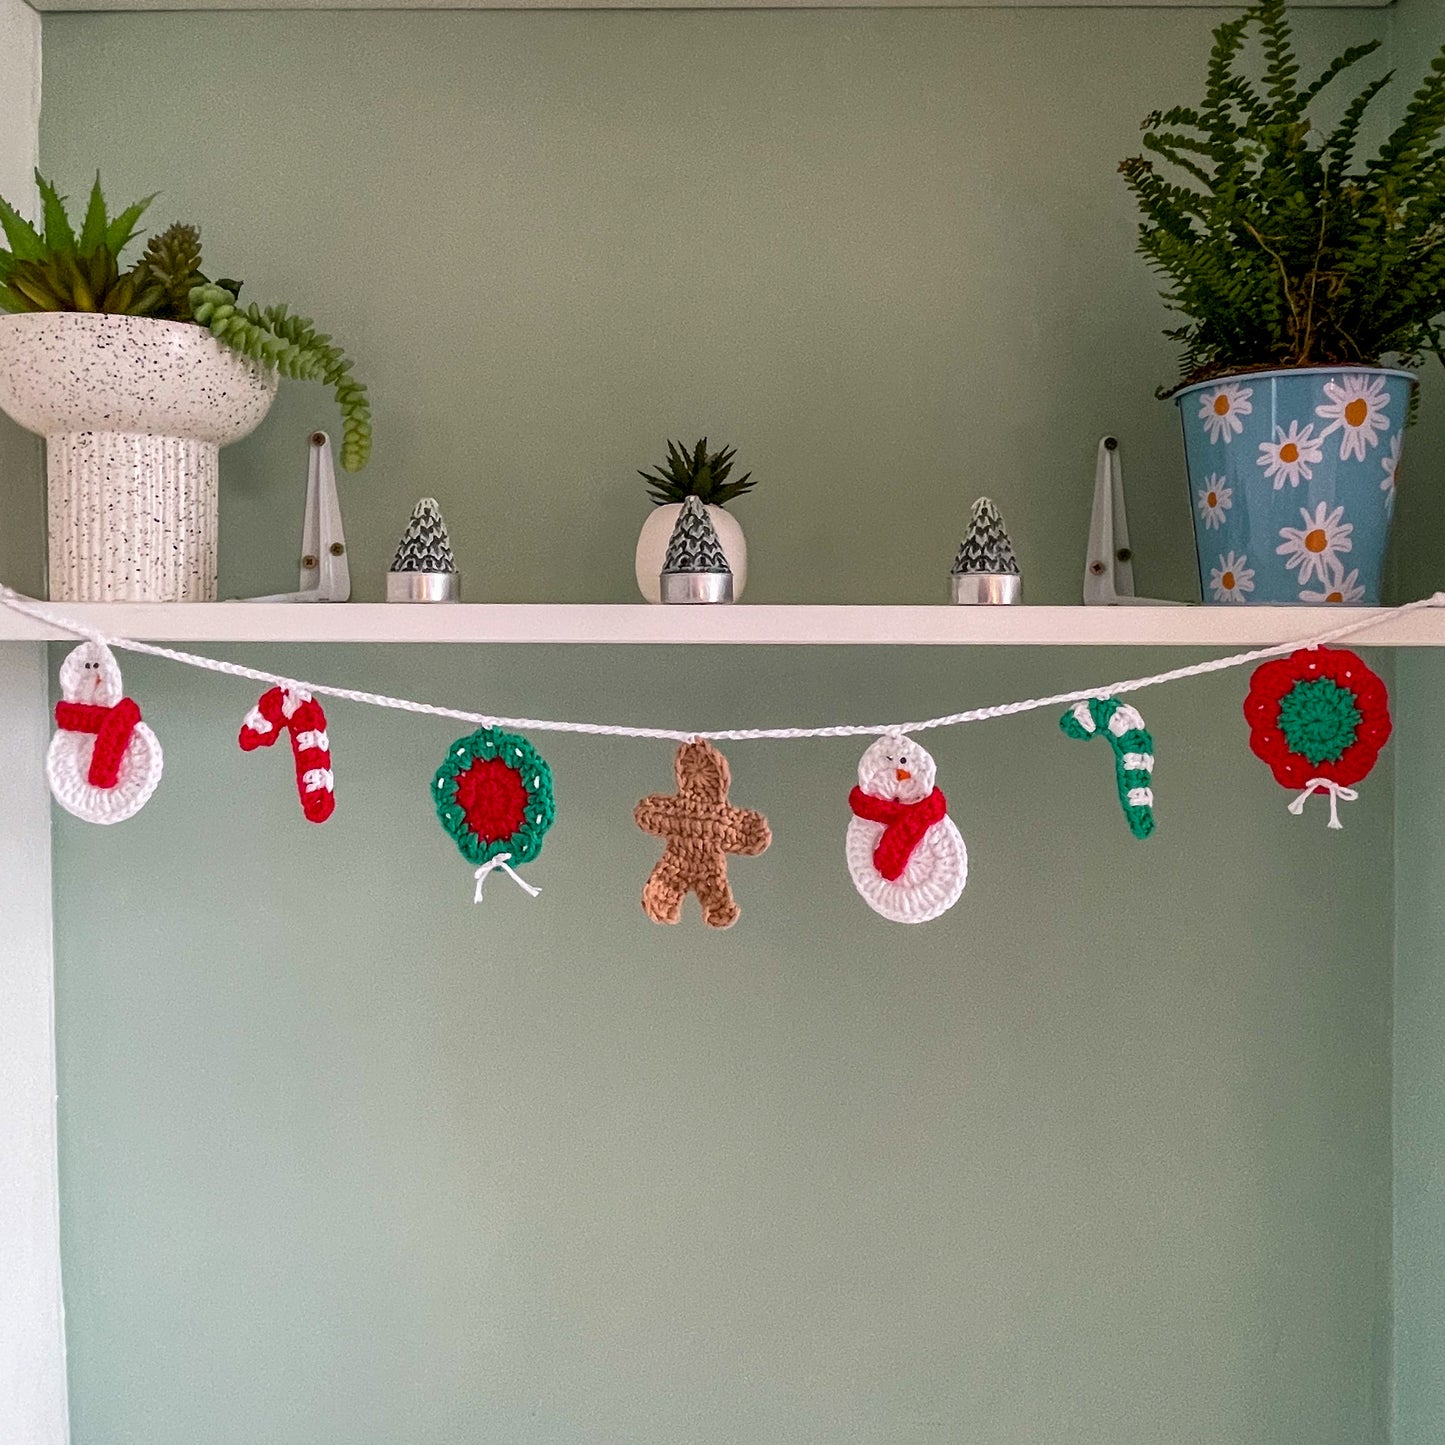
[494, 797]
[1319, 718]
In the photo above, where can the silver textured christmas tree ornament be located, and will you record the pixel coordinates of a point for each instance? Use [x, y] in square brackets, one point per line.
[695, 568]
[424, 569]
[985, 569]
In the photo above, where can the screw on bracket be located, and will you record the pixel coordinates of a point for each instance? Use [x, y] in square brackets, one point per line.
[337, 549]
[1096, 568]
[1124, 554]
[309, 561]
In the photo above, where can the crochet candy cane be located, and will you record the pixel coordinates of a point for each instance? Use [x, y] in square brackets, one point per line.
[1133, 754]
[294, 710]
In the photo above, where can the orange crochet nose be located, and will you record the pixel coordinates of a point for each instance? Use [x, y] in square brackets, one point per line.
[902, 774]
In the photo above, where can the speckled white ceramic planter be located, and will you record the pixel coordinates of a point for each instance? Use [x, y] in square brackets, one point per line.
[133, 412]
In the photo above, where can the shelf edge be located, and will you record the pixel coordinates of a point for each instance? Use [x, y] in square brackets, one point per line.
[744, 625]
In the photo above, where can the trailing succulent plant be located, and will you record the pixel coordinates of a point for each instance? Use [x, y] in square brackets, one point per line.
[1280, 244]
[293, 346]
[696, 473]
[55, 269]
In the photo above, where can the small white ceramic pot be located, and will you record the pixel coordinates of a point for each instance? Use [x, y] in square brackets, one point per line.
[657, 532]
[133, 411]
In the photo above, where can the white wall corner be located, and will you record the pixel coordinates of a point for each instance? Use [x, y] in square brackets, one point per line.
[33, 1400]
[19, 99]
[22, 500]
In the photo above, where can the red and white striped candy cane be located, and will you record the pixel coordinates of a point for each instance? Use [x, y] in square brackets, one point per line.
[297, 712]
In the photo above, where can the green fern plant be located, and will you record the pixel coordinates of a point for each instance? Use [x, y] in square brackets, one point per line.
[696, 473]
[54, 268]
[1279, 243]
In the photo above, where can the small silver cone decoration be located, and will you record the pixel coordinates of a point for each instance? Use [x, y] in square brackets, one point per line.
[985, 569]
[424, 569]
[695, 568]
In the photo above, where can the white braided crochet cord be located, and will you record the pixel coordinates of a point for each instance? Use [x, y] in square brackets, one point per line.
[29, 607]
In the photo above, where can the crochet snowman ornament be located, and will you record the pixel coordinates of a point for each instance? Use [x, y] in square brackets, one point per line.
[906, 857]
[104, 762]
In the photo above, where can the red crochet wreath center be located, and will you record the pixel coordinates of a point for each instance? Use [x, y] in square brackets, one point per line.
[494, 799]
[1273, 680]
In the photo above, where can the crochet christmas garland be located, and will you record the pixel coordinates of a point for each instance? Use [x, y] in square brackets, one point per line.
[494, 796]
[111, 778]
[1318, 718]
[1318, 713]
[1133, 754]
[295, 711]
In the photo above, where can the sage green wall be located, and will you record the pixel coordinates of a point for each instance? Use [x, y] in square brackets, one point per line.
[1103, 1156]
[1419, 1032]
[22, 537]
[885, 254]
[1419, 1044]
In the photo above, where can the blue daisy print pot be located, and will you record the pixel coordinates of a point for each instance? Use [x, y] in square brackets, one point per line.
[1292, 482]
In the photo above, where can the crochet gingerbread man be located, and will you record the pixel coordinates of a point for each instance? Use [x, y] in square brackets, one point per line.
[701, 828]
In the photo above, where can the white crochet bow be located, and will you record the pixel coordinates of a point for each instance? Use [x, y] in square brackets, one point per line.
[1338, 794]
[501, 861]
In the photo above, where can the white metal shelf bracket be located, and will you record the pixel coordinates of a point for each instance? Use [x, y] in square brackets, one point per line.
[325, 572]
[1109, 567]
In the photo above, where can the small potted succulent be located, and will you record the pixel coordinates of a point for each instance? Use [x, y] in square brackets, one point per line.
[135, 378]
[692, 473]
[1301, 268]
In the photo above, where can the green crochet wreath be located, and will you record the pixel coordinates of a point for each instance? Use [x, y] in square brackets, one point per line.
[493, 794]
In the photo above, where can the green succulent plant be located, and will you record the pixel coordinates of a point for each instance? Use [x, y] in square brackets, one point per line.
[172, 261]
[1280, 245]
[55, 269]
[696, 473]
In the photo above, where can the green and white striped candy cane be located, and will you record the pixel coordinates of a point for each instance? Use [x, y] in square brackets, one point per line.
[1133, 754]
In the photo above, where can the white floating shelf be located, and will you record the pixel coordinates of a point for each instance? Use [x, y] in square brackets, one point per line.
[744, 625]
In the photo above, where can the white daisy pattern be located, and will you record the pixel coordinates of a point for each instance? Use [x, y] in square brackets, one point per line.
[1356, 409]
[1232, 578]
[1315, 548]
[1290, 455]
[1390, 464]
[1346, 589]
[1215, 499]
[1223, 410]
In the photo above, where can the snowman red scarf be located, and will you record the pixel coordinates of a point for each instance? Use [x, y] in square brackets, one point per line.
[113, 728]
[904, 825]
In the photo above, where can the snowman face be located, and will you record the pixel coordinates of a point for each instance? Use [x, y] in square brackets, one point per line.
[896, 767]
[90, 675]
